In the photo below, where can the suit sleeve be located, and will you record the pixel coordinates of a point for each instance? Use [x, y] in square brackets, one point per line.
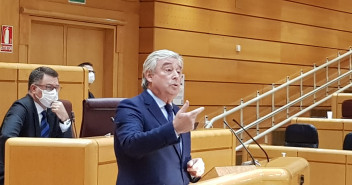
[11, 126]
[138, 136]
[13, 121]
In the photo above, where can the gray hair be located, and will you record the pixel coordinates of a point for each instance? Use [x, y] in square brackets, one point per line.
[153, 58]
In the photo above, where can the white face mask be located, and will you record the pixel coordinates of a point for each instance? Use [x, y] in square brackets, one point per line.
[91, 77]
[48, 97]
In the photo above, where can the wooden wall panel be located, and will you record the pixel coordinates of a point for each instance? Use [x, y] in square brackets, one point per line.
[8, 83]
[199, 93]
[107, 4]
[235, 70]
[120, 19]
[342, 5]
[9, 16]
[47, 44]
[208, 21]
[278, 38]
[223, 47]
[297, 11]
[87, 45]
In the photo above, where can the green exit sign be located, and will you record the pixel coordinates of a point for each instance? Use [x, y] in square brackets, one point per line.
[77, 1]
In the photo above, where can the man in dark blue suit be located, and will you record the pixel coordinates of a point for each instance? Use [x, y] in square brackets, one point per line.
[152, 137]
[38, 114]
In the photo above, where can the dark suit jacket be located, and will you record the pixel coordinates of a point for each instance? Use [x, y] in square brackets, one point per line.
[145, 145]
[90, 95]
[22, 121]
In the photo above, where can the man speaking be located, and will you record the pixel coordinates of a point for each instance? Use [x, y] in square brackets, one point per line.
[152, 138]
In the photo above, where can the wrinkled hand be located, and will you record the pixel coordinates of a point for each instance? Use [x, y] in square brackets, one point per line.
[59, 109]
[184, 121]
[195, 167]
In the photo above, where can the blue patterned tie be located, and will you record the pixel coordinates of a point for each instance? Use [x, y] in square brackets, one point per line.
[170, 116]
[168, 109]
[44, 127]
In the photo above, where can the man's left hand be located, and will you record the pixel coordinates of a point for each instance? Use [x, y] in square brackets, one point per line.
[59, 109]
[195, 167]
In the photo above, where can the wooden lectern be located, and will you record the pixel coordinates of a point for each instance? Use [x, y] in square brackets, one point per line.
[225, 170]
[279, 171]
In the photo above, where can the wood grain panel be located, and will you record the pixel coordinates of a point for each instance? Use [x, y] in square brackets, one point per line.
[8, 96]
[130, 5]
[112, 16]
[342, 5]
[46, 44]
[201, 93]
[223, 70]
[213, 46]
[87, 45]
[289, 11]
[235, 71]
[302, 34]
[9, 16]
[201, 20]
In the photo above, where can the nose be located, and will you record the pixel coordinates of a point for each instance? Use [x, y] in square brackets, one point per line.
[175, 74]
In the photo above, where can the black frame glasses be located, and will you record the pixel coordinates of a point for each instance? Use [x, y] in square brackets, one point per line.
[49, 87]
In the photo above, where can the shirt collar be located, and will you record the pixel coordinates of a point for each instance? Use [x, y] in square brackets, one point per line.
[160, 102]
[39, 108]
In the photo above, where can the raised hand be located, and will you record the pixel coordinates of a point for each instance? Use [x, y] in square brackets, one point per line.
[184, 121]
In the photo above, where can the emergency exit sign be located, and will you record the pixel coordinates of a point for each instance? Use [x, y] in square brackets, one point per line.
[77, 1]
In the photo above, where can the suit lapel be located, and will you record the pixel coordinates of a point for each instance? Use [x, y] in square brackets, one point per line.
[34, 112]
[153, 108]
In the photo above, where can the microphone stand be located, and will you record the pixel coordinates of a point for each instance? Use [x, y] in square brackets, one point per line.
[73, 123]
[267, 157]
[244, 146]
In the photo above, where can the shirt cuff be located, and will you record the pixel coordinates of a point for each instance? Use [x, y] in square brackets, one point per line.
[65, 125]
[177, 136]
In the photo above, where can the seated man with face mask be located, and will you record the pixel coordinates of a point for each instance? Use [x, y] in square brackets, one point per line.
[91, 75]
[38, 114]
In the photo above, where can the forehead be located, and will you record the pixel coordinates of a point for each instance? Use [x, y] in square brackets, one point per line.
[169, 61]
[47, 79]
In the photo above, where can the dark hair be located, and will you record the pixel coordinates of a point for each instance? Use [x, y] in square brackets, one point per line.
[85, 64]
[38, 73]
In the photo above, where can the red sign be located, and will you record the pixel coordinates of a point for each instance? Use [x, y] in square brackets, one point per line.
[6, 44]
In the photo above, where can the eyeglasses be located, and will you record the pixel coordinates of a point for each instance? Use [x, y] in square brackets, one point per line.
[50, 87]
[91, 71]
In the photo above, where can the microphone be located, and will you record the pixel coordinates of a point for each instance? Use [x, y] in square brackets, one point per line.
[254, 162]
[73, 123]
[267, 157]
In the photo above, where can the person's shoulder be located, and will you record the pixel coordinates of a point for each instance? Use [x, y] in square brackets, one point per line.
[26, 101]
[24, 104]
[133, 100]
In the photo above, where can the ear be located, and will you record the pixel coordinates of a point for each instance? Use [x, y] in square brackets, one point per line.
[32, 88]
[149, 76]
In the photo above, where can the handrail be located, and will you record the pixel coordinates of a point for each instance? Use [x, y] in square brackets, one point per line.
[294, 101]
[289, 119]
[209, 124]
[328, 84]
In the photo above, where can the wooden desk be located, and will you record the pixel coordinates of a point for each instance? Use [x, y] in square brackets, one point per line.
[279, 171]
